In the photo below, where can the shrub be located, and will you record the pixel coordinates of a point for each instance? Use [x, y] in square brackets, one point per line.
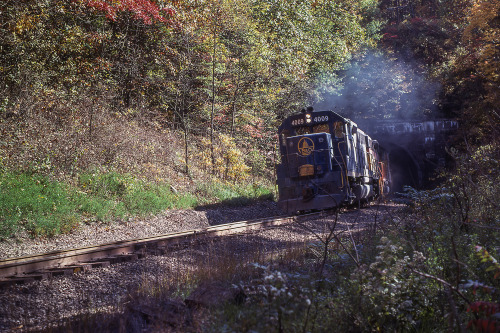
[276, 302]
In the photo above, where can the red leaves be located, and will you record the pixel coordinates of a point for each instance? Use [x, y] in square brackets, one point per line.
[487, 309]
[255, 131]
[143, 10]
[416, 20]
[391, 34]
[484, 325]
[388, 35]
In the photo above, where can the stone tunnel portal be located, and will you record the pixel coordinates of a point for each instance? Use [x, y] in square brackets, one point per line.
[416, 149]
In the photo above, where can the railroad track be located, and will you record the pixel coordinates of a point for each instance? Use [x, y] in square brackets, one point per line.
[64, 262]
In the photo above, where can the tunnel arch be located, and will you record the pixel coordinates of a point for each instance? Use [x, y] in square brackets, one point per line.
[405, 170]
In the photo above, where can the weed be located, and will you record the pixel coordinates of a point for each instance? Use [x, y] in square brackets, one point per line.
[233, 194]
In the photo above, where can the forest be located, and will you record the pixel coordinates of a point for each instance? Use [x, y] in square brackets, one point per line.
[117, 108]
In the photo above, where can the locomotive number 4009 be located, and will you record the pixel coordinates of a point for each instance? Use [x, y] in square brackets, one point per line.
[302, 121]
[320, 119]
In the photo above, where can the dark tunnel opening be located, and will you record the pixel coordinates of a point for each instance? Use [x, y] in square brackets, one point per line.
[404, 170]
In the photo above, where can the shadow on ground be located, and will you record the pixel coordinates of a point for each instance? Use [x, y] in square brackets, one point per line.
[240, 209]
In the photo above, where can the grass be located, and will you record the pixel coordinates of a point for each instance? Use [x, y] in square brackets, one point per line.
[232, 194]
[35, 203]
[44, 207]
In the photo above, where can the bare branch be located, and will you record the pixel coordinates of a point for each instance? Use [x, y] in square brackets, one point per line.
[353, 243]
[347, 251]
[444, 283]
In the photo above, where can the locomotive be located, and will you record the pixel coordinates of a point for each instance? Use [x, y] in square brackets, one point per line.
[326, 161]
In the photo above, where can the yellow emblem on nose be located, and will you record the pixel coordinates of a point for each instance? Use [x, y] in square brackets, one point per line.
[306, 146]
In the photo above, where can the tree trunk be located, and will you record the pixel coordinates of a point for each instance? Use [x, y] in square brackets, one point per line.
[233, 108]
[213, 106]
[186, 153]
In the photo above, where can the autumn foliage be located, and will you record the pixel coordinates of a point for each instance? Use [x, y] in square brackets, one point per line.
[486, 310]
[143, 10]
[139, 86]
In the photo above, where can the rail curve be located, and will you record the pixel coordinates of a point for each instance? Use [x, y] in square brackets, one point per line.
[63, 262]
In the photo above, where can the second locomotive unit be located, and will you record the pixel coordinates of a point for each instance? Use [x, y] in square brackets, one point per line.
[326, 162]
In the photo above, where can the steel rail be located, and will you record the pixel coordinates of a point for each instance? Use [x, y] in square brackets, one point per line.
[39, 266]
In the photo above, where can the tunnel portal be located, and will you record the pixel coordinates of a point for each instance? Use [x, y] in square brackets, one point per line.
[416, 149]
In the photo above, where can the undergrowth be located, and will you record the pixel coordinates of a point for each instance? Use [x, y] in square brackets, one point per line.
[432, 267]
[233, 194]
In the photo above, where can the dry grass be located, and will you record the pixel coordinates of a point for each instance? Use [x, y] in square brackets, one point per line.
[61, 140]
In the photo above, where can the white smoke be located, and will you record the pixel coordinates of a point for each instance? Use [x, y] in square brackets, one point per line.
[377, 87]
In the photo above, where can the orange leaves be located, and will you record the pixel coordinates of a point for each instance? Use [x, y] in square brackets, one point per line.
[144, 10]
[25, 23]
[483, 34]
[482, 13]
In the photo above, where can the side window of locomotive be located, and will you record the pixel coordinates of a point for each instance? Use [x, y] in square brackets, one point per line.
[321, 128]
[303, 130]
[338, 129]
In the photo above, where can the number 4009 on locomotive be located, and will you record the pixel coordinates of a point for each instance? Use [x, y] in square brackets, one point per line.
[326, 162]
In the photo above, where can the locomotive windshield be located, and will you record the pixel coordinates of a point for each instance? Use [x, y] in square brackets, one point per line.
[320, 128]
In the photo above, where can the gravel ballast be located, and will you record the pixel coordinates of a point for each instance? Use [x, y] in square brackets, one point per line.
[41, 304]
[101, 233]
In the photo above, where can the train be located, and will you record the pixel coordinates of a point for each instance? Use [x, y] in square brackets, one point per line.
[326, 161]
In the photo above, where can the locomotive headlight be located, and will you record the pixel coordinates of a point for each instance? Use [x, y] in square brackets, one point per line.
[308, 118]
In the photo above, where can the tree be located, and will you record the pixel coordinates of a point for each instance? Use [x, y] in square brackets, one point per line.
[482, 37]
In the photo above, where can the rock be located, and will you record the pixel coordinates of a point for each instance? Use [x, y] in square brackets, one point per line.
[166, 313]
[214, 294]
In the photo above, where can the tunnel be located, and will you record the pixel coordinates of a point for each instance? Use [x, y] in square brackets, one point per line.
[404, 169]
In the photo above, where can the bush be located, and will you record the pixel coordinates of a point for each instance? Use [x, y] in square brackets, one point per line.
[276, 302]
[431, 267]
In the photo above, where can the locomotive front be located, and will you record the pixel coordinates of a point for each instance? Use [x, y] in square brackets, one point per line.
[312, 172]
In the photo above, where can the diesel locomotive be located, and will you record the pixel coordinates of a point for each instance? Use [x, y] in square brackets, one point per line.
[326, 161]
